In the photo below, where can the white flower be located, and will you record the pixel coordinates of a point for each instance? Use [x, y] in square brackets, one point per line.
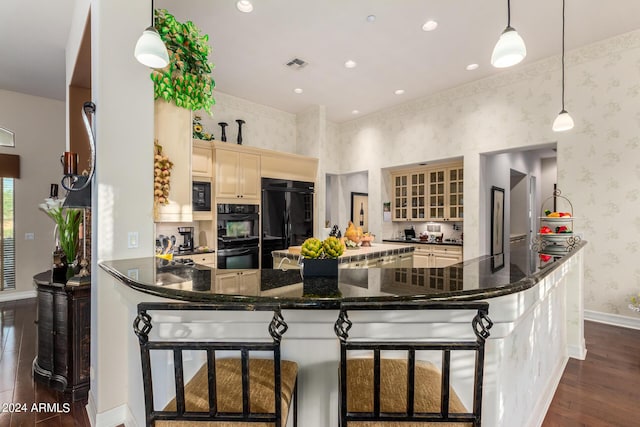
[51, 204]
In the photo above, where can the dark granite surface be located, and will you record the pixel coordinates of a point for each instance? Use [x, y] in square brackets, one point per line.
[481, 278]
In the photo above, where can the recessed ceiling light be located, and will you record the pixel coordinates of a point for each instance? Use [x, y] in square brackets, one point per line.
[399, 91]
[472, 67]
[430, 25]
[350, 64]
[355, 112]
[298, 90]
[244, 6]
[371, 18]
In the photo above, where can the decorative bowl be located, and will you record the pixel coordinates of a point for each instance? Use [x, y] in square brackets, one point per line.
[366, 240]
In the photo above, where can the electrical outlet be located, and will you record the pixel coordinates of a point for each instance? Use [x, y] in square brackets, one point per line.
[29, 236]
[132, 240]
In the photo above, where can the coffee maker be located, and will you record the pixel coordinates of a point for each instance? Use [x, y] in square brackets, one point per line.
[187, 236]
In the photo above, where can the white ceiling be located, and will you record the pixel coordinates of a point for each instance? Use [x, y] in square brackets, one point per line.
[250, 50]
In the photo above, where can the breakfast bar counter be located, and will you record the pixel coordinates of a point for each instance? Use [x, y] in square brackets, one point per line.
[535, 303]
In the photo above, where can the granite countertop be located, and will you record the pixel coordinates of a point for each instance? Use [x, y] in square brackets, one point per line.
[376, 250]
[480, 278]
[423, 242]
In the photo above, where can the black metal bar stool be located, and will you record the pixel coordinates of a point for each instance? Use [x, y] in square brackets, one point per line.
[406, 392]
[224, 392]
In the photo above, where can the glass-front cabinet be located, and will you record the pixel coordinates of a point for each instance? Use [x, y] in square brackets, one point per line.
[409, 196]
[428, 194]
[446, 194]
[400, 197]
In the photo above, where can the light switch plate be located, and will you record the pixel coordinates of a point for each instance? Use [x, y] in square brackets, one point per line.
[132, 240]
[29, 236]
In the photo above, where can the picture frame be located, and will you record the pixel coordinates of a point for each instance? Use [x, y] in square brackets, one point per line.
[497, 220]
[360, 210]
[497, 262]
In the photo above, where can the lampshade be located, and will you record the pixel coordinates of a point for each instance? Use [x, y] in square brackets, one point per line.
[562, 122]
[509, 50]
[79, 199]
[150, 49]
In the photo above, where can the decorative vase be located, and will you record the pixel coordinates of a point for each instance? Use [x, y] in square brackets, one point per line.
[240, 123]
[319, 277]
[223, 136]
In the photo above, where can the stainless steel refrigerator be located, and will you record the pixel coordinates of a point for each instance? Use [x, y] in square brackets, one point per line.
[287, 215]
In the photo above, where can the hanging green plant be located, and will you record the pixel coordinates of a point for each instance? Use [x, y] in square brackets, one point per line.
[186, 81]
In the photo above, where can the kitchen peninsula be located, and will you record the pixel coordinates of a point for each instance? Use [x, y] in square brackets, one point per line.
[531, 305]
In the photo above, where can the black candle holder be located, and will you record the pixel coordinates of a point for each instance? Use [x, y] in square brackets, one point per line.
[223, 125]
[240, 123]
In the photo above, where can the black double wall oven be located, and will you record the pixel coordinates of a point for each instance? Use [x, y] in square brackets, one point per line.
[238, 236]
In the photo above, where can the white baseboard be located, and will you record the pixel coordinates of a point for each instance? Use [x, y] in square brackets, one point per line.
[111, 418]
[542, 406]
[612, 319]
[578, 352]
[16, 295]
[91, 409]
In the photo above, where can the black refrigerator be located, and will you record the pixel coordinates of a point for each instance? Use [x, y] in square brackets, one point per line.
[287, 215]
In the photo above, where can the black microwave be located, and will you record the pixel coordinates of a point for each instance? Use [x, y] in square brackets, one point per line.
[201, 196]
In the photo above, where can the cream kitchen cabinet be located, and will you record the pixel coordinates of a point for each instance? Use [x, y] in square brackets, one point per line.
[237, 176]
[208, 259]
[445, 201]
[202, 159]
[245, 282]
[173, 132]
[405, 260]
[436, 256]
[409, 190]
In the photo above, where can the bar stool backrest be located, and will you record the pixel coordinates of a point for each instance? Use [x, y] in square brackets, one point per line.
[480, 323]
[176, 410]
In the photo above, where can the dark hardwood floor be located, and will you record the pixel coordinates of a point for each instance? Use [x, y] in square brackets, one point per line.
[599, 391]
[18, 390]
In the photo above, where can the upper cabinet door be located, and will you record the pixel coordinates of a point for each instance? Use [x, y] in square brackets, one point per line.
[227, 174]
[400, 191]
[237, 175]
[455, 193]
[437, 196]
[249, 176]
[202, 161]
[173, 132]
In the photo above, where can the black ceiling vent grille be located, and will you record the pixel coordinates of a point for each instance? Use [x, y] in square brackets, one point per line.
[297, 64]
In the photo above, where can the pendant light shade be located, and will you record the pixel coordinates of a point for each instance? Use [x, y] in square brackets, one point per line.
[510, 49]
[564, 121]
[150, 49]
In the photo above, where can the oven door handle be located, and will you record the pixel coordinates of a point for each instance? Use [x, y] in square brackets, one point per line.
[236, 252]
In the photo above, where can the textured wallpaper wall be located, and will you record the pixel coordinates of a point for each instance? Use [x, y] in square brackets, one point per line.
[265, 126]
[598, 161]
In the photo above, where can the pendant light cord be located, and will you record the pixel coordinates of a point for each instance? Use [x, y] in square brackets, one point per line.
[153, 18]
[563, 1]
[508, 13]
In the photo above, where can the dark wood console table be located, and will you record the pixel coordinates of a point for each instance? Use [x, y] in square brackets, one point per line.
[64, 336]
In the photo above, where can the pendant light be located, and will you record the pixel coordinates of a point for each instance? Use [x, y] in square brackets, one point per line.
[510, 49]
[563, 121]
[150, 49]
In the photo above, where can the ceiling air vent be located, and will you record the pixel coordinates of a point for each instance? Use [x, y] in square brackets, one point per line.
[297, 64]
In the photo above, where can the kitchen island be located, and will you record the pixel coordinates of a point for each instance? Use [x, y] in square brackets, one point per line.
[536, 307]
[377, 255]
